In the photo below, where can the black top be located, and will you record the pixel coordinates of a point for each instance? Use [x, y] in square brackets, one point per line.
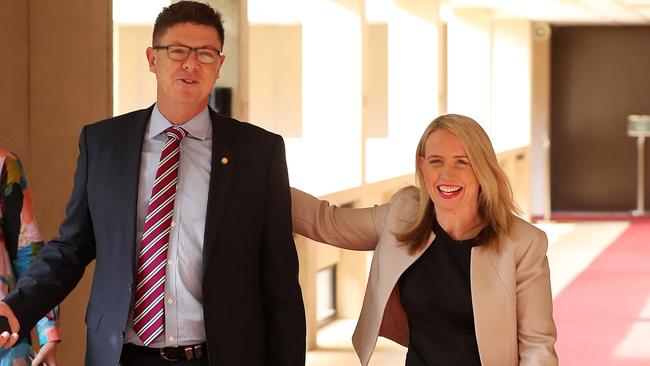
[436, 295]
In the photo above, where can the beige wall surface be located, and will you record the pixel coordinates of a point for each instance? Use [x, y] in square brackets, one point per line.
[135, 84]
[275, 93]
[376, 93]
[14, 105]
[57, 80]
[511, 58]
[469, 62]
[540, 186]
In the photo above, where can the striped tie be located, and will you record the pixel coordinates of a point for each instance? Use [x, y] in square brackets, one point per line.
[148, 318]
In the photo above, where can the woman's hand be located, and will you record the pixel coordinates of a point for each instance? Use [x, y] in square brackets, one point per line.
[47, 355]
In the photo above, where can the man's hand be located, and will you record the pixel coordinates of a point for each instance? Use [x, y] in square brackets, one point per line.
[47, 355]
[8, 339]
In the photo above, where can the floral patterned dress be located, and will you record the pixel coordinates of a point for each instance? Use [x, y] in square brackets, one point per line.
[20, 241]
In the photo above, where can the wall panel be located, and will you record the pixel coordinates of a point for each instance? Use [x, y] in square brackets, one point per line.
[57, 78]
[14, 74]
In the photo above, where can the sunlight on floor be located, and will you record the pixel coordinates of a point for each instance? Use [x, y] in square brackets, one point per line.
[636, 344]
[335, 348]
[573, 246]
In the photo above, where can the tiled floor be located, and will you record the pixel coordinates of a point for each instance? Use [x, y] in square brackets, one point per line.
[572, 247]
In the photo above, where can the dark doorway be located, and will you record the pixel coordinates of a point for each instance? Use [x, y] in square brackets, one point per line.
[599, 75]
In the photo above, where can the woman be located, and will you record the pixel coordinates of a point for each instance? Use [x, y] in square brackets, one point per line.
[456, 277]
[20, 241]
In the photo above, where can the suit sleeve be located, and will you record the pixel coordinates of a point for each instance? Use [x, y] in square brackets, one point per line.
[57, 269]
[48, 326]
[283, 305]
[536, 332]
[347, 228]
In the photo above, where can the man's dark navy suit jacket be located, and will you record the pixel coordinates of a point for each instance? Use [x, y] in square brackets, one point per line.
[252, 304]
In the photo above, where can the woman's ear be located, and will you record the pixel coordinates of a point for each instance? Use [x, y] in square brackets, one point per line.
[419, 161]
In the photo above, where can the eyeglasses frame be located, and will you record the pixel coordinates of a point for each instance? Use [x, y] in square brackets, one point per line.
[192, 49]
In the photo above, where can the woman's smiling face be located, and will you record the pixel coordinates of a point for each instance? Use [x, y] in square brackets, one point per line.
[448, 174]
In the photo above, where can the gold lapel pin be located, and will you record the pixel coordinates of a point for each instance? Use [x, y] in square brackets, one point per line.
[224, 160]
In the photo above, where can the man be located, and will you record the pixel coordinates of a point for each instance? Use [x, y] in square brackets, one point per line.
[187, 215]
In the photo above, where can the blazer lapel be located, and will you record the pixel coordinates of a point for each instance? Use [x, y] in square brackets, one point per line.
[130, 156]
[390, 260]
[222, 165]
[490, 299]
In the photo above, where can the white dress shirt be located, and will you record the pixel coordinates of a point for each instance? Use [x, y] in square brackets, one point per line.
[183, 279]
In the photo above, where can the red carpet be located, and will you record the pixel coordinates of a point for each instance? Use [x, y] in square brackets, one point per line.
[592, 216]
[597, 311]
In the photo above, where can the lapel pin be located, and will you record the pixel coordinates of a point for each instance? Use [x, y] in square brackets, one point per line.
[224, 160]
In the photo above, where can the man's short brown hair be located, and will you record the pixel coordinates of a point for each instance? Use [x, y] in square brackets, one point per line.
[187, 12]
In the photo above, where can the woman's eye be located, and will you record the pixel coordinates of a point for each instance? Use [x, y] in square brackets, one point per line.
[462, 162]
[435, 161]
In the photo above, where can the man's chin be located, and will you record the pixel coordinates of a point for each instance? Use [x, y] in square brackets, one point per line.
[189, 100]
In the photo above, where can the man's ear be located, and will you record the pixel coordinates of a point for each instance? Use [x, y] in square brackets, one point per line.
[220, 62]
[151, 59]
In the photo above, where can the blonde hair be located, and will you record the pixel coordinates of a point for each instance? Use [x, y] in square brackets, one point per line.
[496, 206]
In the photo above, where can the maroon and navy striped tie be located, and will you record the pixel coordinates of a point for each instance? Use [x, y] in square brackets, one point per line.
[149, 315]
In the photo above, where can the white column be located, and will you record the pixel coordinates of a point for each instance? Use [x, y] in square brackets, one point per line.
[413, 29]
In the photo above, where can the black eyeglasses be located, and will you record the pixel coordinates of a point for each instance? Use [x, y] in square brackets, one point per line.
[181, 53]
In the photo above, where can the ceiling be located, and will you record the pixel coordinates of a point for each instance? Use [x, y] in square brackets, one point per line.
[564, 11]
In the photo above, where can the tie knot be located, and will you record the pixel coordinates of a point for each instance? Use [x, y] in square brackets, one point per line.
[176, 132]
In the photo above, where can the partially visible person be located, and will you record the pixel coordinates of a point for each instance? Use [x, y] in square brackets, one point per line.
[20, 241]
[456, 276]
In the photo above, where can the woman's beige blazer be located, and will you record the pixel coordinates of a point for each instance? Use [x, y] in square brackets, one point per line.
[511, 291]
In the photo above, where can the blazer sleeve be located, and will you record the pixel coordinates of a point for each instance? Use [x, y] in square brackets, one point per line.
[283, 306]
[347, 228]
[59, 266]
[536, 332]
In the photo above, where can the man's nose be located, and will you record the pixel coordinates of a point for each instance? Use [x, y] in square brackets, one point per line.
[191, 62]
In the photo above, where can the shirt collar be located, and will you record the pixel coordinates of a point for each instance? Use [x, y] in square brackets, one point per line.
[199, 126]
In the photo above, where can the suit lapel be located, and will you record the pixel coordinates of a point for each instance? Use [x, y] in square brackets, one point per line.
[129, 159]
[222, 165]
